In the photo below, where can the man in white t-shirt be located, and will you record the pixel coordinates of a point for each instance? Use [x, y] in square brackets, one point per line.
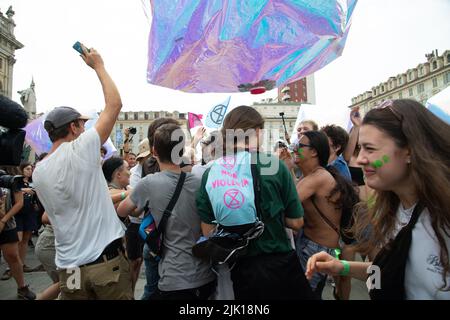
[74, 193]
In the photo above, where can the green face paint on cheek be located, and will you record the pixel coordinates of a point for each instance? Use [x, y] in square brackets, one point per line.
[380, 163]
[300, 153]
[377, 164]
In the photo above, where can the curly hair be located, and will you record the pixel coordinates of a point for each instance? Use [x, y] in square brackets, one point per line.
[338, 136]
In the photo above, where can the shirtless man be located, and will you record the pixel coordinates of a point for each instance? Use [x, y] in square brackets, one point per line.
[318, 190]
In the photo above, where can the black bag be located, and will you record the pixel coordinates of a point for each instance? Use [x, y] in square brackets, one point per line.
[392, 262]
[226, 247]
[154, 235]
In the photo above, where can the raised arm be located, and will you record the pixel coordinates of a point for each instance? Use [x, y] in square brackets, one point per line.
[113, 102]
[354, 134]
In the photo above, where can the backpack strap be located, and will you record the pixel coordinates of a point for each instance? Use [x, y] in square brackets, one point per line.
[256, 185]
[336, 229]
[170, 206]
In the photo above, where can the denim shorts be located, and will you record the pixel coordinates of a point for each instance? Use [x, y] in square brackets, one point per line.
[305, 248]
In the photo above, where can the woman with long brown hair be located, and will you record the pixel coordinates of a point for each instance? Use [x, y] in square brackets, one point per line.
[405, 156]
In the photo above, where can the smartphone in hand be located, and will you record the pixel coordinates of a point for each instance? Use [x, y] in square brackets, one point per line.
[78, 47]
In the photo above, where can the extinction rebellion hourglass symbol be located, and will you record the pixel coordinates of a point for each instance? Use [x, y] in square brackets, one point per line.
[233, 199]
[218, 113]
[228, 162]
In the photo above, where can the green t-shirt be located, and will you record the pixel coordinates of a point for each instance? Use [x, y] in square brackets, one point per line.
[278, 198]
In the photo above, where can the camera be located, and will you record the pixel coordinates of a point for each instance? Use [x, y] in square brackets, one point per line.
[132, 130]
[12, 118]
[9, 182]
[281, 144]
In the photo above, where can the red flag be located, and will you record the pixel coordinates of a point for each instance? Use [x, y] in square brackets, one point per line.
[194, 120]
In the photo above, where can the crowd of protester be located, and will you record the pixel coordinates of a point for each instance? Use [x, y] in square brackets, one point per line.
[327, 206]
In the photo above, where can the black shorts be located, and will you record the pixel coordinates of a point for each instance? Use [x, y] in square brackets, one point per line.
[9, 236]
[26, 221]
[135, 244]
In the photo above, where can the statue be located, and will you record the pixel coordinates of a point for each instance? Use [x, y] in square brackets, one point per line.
[28, 98]
[10, 13]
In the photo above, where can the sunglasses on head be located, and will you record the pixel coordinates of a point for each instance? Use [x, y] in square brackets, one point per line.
[389, 104]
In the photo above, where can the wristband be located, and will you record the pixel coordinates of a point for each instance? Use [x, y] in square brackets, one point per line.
[344, 272]
[123, 196]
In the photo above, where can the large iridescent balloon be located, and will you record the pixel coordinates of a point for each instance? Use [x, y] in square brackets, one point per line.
[235, 45]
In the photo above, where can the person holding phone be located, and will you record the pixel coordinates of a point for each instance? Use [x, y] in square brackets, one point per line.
[74, 193]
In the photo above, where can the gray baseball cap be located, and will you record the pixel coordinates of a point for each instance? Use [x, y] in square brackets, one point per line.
[61, 116]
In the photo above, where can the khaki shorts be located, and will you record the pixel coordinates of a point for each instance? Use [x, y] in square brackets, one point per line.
[46, 252]
[109, 280]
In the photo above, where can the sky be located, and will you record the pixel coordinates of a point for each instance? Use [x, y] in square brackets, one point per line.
[387, 37]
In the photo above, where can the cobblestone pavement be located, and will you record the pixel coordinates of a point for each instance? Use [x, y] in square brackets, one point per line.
[39, 281]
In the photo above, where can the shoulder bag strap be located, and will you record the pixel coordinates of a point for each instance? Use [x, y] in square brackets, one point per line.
[325, 218]
[256, 185]
[170, 206]
[173, 201]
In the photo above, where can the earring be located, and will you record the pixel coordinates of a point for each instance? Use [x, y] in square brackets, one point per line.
[408, 161]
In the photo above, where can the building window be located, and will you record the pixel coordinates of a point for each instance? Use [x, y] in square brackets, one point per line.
[434, 65]
[126, 116]
[411, 92]
[410, 76]
[156, 115]
[448, 57]
[400, 81]
[182, 116]
[435, 82]
[146, 116]
[136, 116]
[121, 126]
[400, 95]
[420, 88]
[1, 63]
[421, 71]
[447, 78]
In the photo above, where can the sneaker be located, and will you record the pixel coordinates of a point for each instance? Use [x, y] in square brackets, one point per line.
[6, 275]
[27, 268]
[25, 293]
